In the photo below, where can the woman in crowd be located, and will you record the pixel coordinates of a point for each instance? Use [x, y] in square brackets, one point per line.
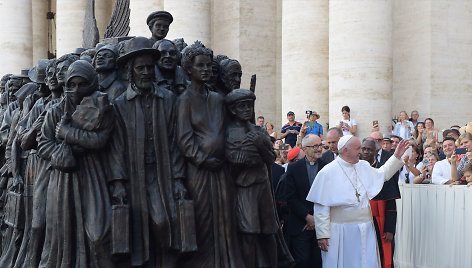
[418, 135]
[428, 150]
[404, 128]
[412, 166]
[271, 132]
[311, 126]
[430, 132]
[427, 170]
[347, 124]
[456, 170]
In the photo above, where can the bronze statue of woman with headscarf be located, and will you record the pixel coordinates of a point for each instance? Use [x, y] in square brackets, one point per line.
[74, 137]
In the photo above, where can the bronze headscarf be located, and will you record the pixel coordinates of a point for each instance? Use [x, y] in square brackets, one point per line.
[84, 69]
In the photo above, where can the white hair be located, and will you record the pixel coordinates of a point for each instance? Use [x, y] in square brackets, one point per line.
[306, 139]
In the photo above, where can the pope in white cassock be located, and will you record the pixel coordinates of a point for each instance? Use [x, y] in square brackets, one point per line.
[341, 193]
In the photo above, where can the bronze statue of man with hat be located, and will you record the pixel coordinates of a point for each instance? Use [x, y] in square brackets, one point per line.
[146, 156]
[158, 23]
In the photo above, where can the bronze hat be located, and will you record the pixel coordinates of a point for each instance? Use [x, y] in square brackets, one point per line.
[161, 14]
[239, 94]
[25, 90]
[137, 46]
[37, 74]
[24, 73]
[78, 51]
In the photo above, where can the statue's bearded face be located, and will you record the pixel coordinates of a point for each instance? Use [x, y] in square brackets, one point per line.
[105, 60]
[159, 29]
[143, 71]
[232, 77]
[169, 56]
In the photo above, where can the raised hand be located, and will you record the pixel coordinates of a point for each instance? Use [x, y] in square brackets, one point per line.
[401, 148]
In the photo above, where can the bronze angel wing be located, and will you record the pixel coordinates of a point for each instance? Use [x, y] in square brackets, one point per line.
[119, 21]
[90, 34]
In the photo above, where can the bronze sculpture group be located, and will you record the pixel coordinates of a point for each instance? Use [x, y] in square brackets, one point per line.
[140, 152]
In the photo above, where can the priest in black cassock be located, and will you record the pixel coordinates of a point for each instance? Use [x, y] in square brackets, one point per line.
[384, 209]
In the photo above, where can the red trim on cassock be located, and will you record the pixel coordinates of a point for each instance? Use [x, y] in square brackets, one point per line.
[378, 211]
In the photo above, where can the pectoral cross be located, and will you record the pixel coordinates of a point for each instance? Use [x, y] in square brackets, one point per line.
[357, 195]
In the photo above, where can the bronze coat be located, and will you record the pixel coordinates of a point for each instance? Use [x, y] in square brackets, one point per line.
[148, 204]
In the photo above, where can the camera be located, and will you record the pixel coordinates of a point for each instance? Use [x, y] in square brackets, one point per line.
[308, 112]
[283, 147]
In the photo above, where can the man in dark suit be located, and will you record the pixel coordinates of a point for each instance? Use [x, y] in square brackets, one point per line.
[332, 136]
[384, 208]
[300, 224]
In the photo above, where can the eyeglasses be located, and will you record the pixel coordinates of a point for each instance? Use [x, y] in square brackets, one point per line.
[316, 146]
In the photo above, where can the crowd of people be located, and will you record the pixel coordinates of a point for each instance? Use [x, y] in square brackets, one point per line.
[140, 152]
[432, 157]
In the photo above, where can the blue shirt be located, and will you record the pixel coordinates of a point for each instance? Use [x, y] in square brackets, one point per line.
[317, 129]
[291, 138]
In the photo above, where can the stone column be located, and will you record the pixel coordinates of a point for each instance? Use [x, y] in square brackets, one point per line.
[451, 69]
[411, 57]
[16, 36]
[360, 62]
[305, 58]
[69, 25]
[140, 9]
[192, 19]
[246, 30]
[40, 30]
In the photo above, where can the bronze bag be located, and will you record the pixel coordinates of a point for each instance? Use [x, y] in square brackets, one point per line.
[14, 210]
[63, 159]
[187, 230]
[120, 229]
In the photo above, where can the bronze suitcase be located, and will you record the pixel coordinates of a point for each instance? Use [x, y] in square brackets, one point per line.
[187, 230]
[14, 210]
[120, 229]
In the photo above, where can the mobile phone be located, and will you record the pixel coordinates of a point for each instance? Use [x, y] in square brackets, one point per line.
[375, 122]
[292, 131]
[461, 150]
[283, 147]
[425, 161]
